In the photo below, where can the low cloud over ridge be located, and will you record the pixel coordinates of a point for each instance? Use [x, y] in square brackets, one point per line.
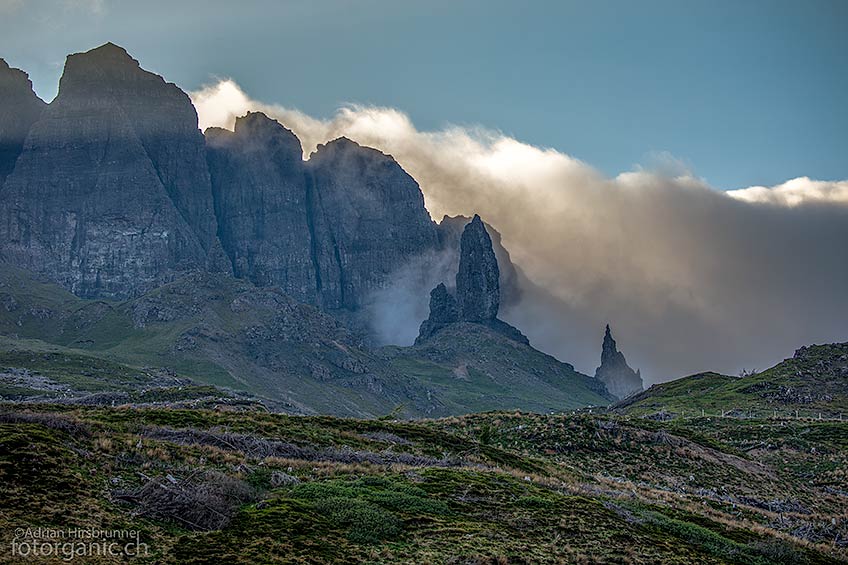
[690, 278]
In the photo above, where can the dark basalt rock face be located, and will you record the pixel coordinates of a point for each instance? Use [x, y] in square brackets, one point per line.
[162, 117]
[115, 192]
[20, 109]
[477, 289]
[259, 185]
[443, 311]
[327, 231]
[478, 278]
[111, 194]
[450, 231]
[367, 219]
[615, 373]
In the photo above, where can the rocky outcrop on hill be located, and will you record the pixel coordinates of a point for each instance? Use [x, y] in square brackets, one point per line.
[259, 185]
[477, 289]
[478, 277]
[474, 367]
[110, 195]
[614, 372]
[367, 218]
[450, 231]
[20, 109]
[443, 311]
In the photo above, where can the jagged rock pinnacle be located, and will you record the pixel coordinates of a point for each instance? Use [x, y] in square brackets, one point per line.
[477, 281]
[443, 311]
[477, 289]
[614, 372]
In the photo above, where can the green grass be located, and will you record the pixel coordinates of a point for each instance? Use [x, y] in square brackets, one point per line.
[807, 385]
[288, 353]
[473, 369]
[539, 489]
[721, 547]
[77, 370]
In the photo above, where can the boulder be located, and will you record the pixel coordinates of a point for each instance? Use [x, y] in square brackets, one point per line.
[443, 311]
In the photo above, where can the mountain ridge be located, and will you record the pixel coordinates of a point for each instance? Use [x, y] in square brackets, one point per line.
[349, 219]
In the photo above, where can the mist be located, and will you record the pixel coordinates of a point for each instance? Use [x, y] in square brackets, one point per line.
[690, 278]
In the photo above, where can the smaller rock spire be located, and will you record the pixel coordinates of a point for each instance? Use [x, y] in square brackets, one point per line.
[443, 311]
[609, 346]
[614, 371]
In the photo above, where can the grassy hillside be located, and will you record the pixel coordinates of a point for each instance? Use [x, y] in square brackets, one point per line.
[214, 486]
[218, 331]
[34, 371]
[473, 368]
[814, 381]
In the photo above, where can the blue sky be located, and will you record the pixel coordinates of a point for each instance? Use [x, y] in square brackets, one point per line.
[744, 92]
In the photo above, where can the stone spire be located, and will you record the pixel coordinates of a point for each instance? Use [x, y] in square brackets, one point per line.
[477, 289]
[477, 286]
[614, 372]
[443, 311]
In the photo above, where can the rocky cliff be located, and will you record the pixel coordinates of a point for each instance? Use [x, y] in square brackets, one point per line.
[114, 192]
[259, 185]
[20, 109]
[368, 219]
[110, 195]
[614, 372]
[328, 231]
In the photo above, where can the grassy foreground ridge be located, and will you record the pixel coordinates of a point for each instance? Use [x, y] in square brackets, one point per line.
[249, 486]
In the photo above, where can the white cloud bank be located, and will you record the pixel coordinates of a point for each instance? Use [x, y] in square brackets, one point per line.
[690, 278]
[795, 192]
